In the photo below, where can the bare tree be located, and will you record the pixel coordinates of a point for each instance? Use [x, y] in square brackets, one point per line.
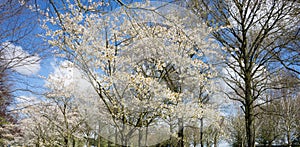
[254, 34]
[19, 49]
[287, 108]
[268, 131]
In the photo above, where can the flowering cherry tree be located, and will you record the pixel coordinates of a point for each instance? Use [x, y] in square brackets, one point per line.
[148, 65]
[54, 120]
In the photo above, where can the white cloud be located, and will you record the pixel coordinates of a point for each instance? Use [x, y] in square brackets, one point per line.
[16, 58]
[66, 75]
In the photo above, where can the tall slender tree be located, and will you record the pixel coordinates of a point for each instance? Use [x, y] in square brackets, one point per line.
[254, 34]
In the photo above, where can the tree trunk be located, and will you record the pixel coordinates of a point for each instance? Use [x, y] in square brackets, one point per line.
[146, 136]
[66, 141]
[88, 143]
[250, 127]
[140, 137]
[180, 133]
[99, 141]
[270, 144]
[201, 133]
[216, 140]
[171, 136]
[249, 111]
[74, 142]
[38, 142]
[289, 139]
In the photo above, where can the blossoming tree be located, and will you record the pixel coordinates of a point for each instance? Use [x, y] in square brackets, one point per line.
[148, 65]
